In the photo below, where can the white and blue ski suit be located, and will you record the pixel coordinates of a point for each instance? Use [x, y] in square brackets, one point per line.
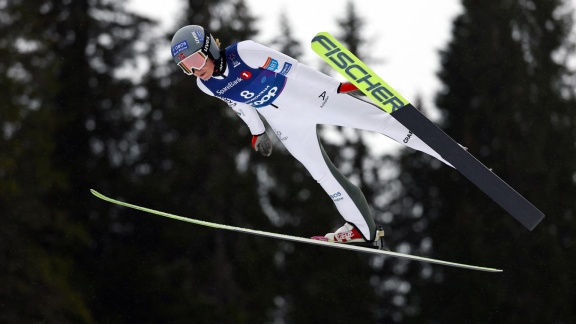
[294, 99]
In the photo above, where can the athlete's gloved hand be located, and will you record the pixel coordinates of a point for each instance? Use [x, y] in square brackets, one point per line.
[346, 87]
[261, 143]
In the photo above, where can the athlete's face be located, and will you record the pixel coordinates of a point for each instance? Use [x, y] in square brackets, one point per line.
[206, 71]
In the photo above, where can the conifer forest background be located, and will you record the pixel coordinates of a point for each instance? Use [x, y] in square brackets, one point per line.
[86, 104]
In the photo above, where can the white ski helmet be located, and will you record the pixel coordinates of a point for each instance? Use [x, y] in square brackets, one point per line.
[190, 40]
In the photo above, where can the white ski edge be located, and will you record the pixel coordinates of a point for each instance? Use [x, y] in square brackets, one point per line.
[294, 238]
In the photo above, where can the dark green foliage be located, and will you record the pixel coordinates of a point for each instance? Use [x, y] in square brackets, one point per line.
[57, 72]
[503, 98]
[76, 114]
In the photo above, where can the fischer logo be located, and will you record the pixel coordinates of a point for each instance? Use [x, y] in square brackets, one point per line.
[358, 73]
[337, 196]
[229, 86]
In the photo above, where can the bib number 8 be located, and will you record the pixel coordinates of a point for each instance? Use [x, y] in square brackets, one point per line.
[247, 94]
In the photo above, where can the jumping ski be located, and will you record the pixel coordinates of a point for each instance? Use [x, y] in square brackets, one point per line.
[295, 238]
[386, 98]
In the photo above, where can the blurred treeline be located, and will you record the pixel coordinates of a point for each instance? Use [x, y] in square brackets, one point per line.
[87, 104]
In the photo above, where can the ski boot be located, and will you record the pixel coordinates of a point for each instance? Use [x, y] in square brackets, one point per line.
[351, 235]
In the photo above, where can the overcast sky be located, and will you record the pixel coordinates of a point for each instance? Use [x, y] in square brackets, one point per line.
[405, 35]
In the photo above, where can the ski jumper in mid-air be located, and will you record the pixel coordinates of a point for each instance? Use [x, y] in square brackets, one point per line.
[256, 81]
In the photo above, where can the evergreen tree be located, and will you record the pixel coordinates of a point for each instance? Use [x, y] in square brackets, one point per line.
[343, 278]
[390, 278]
[63, 120]
[200, 164]
[505, 100]
[285, 41]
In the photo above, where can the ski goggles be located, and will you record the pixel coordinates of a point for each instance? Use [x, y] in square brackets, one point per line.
[193, 62]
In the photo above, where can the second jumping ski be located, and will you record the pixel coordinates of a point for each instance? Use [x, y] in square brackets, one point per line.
[386, 98]
[296, 238]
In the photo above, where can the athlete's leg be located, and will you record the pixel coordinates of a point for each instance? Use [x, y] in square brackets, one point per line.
[303, 144]
[348, 111]
[294, 121]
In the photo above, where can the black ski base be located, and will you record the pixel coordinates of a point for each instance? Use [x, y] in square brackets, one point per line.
[469, 166]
